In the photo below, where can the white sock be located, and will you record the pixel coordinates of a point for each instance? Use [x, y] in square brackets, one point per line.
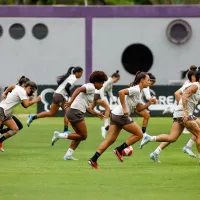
[190, 143]
[106, 122]
[69, 152]
[152, 138]
[158, 150]
[63, 135]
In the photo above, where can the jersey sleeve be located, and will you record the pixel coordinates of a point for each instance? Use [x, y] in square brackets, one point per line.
[89, 88]
[72, 80]
[133, 91]
[22, 93]
[147, 94]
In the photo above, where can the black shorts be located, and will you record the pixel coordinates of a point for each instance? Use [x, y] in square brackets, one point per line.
[74, 116]
[58, 99]
[120, 120]
[180, 119]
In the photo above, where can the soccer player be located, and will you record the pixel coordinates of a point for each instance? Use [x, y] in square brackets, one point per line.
[130, 99]
[99, 99]
[17, 96]
[77, 106]
[7, 90]
[65, 83]
[183, 117]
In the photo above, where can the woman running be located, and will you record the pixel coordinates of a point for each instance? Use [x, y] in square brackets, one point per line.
[21, 82]
[99, 99]
[65, 83]
[77, 107]
[183, 117]
[120, 118]
[17, 96]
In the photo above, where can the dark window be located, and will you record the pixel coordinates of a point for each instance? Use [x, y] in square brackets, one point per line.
[17, 31]
[137, 57]
[40, 31]
[1, 31]
[178, 31]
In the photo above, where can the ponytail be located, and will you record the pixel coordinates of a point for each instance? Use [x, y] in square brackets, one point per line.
[116, 74]
[61, 78]
[138, 77]
[184, 73]
[23, 80]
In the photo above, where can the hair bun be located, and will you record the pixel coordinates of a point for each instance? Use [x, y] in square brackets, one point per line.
[138, 72]
[117, 71]
[193, 68]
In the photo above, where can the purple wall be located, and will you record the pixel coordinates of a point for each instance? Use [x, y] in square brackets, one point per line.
[103, 11]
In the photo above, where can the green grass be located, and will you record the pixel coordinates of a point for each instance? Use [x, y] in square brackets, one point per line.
[33, 170]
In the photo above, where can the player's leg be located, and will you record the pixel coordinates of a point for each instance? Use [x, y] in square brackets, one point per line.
[145, 121]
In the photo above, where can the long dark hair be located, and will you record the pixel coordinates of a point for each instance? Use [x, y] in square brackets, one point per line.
[192, 68]
[61, 78]
[116, 74]
[151, 76]
[138, 77]
[23, 80]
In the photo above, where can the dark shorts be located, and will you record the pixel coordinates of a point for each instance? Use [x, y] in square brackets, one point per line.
[97, 97]
[74, 116]
[120, 120]
[4, 117]
[180, 119]
[58, 99]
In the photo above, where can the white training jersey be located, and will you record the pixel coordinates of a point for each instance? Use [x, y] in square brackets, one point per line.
[186, 82]
[61, 88]
[145, 93]
[131, 101]
[107, 87]
[83, 100]
[13, 99]
[192, 102]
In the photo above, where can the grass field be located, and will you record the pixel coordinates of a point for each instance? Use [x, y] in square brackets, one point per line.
[33, 170]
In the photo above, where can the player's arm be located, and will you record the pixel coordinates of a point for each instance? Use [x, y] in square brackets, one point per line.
[140, 107]
[26, 102]
[188, 93]
[178, 95]
[7, 90]
[67, 88]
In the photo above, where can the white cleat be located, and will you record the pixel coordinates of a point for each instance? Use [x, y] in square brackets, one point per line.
[189, 152]
[2, 149]
[154, 157]
[55, 138]
[145, 140]
[103, 132]
[167, 110]
[66, 157]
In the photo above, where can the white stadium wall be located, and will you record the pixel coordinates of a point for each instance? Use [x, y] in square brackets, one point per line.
[96, 38]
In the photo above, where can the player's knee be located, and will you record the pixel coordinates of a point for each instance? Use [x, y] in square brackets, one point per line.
[172, 139]
[147, 116]
[140, 136]
[84, 137]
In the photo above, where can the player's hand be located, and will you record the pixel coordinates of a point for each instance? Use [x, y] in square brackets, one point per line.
[100, 115]
[185, 118]
[4, 95]
[153, 100]
[38, 98]
[67, 105]
[125, 111]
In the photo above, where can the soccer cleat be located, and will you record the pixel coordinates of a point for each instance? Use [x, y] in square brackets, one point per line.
[166, 110]
[55, 138]
[103, 132]
[188, 151]
[145, 140]
[119, 156]
[29, 120]
[68, 131]
[154, 157]
[93, 164]
[67, 157]
[1, 148]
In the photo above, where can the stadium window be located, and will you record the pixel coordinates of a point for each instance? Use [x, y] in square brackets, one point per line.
[40, 31]
[137, 57]
[17, 31]
[1, 31]
[179, 31]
